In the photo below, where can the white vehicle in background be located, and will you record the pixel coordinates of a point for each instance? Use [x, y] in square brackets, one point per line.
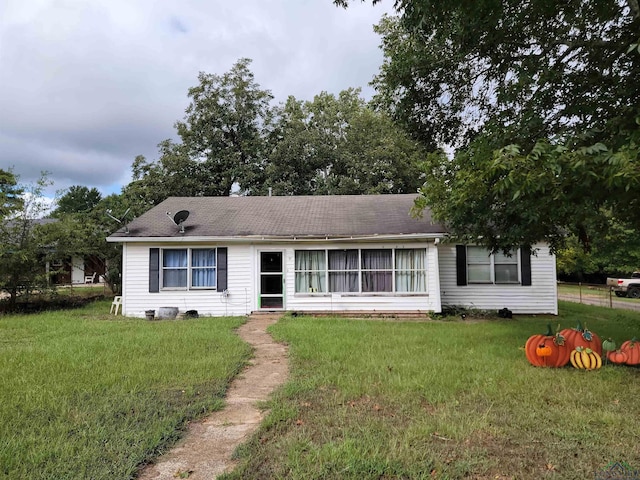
[626, 287]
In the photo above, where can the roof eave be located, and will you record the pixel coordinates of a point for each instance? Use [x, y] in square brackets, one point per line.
[277, 238]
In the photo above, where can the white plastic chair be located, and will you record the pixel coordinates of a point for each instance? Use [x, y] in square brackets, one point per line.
[90, 278]
[117, 303]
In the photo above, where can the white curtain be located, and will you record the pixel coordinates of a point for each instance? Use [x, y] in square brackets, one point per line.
[311, 271]
[203, 267]
[411, 275]
[343, 270]
[174, 268]
[377, 271]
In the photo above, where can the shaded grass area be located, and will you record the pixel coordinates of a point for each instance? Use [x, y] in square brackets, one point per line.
[88, 395]
[444, 399]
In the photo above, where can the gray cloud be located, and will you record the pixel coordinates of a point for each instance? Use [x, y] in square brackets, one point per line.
[87, 86]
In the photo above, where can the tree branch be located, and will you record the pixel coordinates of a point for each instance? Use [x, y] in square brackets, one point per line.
[635, 9]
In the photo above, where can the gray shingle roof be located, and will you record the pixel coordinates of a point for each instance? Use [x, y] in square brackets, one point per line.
[285, 217]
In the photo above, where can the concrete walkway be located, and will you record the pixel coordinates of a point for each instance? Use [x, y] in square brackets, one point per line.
[205, 451]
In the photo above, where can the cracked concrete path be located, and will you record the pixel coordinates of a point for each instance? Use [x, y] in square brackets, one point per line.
[206, 449]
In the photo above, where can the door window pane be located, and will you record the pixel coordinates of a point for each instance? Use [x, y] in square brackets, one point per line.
[271, 262]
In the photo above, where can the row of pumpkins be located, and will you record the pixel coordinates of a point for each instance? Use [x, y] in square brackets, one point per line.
[580, 347]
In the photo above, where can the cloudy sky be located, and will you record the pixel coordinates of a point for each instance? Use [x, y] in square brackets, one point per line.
[86, 85]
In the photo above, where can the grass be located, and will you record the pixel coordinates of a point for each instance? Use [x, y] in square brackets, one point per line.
[88, 395]
[446, 399]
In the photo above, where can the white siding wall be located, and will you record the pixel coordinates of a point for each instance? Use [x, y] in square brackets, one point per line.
[77, 270]
[540, 297]
[137, 298]
[243, 270]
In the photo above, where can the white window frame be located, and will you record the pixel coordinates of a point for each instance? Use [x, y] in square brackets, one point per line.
[189, 268]
[491, 263]
[360, 270]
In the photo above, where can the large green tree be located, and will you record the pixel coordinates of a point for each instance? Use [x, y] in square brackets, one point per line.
[224, 126]
[76, 199]
[538, 102]
[222, 143]
[10, 194]
[339, 145]
[23, 245]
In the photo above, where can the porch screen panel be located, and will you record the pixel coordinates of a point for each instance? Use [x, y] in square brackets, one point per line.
[174, 268]
[310, 270]
[411, 275]
[377, 273]
[203, 268]
[343, 271]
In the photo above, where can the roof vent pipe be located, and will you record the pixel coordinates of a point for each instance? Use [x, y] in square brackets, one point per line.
[269, 191]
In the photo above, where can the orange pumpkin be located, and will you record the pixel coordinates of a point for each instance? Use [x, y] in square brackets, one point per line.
[619, 357]
[581, 337]
[632, 349]
[552, 347]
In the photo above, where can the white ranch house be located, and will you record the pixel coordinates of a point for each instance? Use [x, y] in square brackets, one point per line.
[364, 253]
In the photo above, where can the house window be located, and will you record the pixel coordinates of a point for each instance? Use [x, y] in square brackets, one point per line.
[198, 265]
[361, 270]
[483, 267]
[203, 268]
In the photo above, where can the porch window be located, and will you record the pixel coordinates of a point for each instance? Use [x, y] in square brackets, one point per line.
[361, 270]
[311, 271]
[411, 273]
[377, 271]
[343, 271]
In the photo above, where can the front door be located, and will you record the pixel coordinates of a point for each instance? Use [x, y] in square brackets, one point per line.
[271, 294]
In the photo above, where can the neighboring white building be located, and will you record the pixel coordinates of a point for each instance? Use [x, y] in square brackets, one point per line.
[364, 253]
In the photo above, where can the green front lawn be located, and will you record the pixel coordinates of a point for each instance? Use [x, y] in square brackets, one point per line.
[444, 399]
[88, 395]
[85, 395]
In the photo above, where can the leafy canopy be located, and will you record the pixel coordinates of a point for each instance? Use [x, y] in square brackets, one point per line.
[538, 102]
[10, 194]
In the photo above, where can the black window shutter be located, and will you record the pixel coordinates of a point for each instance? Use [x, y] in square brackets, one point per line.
[222, 269]
[461, 264]
[525, 265]
[154, 270]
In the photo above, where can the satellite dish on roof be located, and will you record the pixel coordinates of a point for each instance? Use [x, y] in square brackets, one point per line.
[179, 218]
[119, 220]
